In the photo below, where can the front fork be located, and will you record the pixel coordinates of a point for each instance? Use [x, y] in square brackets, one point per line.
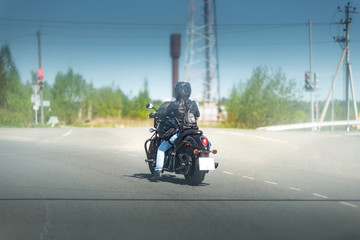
[147, 146]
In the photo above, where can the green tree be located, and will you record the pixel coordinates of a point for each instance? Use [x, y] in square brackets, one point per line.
[9, 80]
[137, 105]
[108, 102]
[265, 99]
[69, 93]
[15, 106]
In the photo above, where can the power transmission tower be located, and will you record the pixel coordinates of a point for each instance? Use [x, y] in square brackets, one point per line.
[201, 56]
[349, 81]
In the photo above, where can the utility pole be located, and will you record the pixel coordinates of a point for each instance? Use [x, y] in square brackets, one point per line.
[34, 98]
[347, 22]
[316, 87]
[349, 82]
[332, 110]
[310, 79]
[40, 73]
[311, 72]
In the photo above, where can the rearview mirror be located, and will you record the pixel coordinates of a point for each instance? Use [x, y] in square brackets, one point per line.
[149, 106]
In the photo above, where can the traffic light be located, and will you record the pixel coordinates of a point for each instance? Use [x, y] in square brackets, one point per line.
[41, 74]
[316, 80]
[308, 83]
[41, 85]
[41, 78]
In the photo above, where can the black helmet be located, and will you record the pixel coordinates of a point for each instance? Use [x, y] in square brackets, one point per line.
[182, 90]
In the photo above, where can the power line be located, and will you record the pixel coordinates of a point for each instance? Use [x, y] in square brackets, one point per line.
[232, 28]
[134, 24]
[112, 36]
[85, 22]
[17, 37]
[45, 42]
[223, 29]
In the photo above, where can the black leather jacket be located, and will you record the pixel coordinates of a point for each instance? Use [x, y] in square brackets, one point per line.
[177, 111]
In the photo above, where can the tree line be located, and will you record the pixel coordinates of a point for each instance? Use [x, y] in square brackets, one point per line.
[269, 98]
[72, 98]
[266, 98]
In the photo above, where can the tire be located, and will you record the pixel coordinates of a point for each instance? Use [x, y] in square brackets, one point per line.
[152, 167]
[152, 153]
[195, 177]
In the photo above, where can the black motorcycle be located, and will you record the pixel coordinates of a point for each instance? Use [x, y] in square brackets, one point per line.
[189, 154]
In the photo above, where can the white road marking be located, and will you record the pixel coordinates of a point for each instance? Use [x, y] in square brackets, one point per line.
[251, 178]
[230, 173]
[294, 188]
[348, 204]
[319, 195]
[68, 133]
[273, 183]
[132, 155]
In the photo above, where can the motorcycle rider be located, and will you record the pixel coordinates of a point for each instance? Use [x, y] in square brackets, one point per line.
[176, 112]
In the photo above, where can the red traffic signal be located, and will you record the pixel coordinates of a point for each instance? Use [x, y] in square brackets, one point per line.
[308, 84]
[41, 73]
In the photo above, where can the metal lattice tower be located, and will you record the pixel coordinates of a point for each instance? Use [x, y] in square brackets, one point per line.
[201, 55]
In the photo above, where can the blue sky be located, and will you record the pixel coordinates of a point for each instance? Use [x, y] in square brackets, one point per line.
[132, 46]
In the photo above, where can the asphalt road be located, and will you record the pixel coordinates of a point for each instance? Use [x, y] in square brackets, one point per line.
[76, 183]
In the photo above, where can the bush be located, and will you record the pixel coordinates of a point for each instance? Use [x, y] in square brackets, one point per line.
[264, 99]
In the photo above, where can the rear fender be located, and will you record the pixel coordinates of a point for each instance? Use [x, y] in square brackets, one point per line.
[194, 141]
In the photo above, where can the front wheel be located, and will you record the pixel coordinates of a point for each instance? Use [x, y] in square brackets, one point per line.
[152, 167]
[152, 154]
[195, 176]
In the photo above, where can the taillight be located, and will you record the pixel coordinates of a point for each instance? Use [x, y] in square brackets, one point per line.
[204, 141]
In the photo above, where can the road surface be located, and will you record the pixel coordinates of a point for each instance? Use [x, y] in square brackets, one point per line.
[84, 183]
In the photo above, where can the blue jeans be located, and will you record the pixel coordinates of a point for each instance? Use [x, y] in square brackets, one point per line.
[164, 146]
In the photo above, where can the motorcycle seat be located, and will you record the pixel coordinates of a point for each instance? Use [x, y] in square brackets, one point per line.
[187, 133]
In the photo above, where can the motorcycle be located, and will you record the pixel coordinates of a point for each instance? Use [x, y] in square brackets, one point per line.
[189, 155]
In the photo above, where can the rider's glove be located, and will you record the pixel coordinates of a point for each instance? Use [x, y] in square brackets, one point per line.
[152, 115]
[169, 133]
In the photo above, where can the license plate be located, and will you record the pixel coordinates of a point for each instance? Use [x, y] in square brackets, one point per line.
[206, 163]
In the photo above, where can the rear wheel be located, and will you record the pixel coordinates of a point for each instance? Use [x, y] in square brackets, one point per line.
[195, 176]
